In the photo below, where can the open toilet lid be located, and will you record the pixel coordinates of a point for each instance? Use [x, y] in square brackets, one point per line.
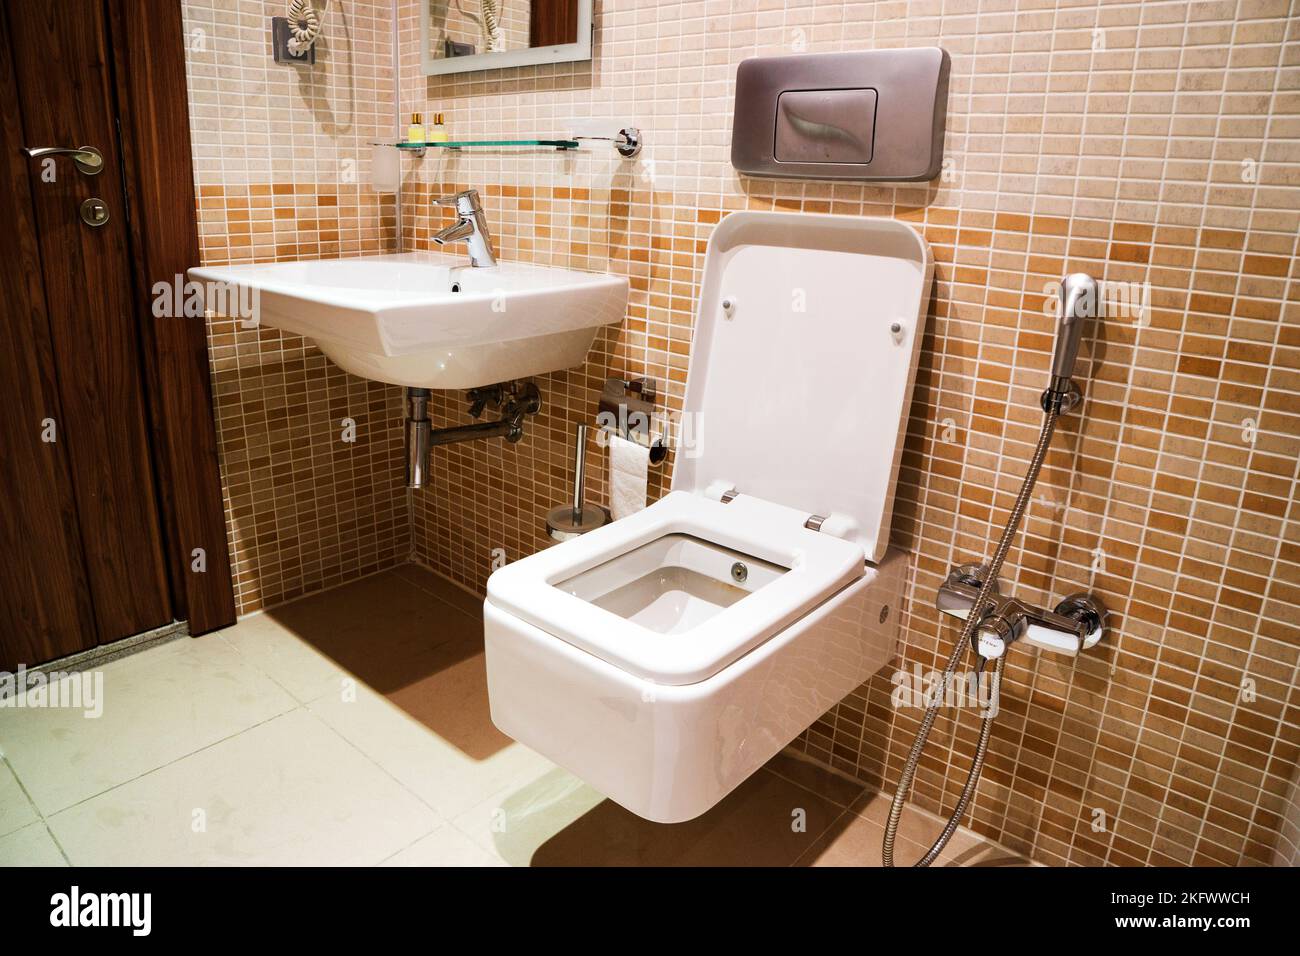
[803, 363]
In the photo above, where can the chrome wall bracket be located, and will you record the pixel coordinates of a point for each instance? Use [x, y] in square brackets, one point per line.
[627, 141]
[627, 408]
[1069, 401]
[1076, 624]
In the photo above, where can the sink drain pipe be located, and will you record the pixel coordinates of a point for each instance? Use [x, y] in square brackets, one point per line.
[418, 430]
[515, 399]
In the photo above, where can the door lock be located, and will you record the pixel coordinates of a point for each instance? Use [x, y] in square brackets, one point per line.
[94, 212]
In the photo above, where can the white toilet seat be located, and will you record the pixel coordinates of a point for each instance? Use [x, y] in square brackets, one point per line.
[667, 656]
[819, 566]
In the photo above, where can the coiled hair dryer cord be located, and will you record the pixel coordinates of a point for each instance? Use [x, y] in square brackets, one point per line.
[304, 26]
[492, 26]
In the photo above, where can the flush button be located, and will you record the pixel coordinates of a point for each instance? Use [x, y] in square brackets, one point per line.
[825, 126]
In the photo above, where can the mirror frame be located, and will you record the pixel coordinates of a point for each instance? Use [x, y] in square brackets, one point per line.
[563, 53]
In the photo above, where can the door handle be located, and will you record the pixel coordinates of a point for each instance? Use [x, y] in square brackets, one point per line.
[86, 158]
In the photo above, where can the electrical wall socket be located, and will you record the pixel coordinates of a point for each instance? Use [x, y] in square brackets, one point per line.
[280, 44]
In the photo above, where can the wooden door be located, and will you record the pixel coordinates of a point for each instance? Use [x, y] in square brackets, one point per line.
[58, 64]
[45, 607]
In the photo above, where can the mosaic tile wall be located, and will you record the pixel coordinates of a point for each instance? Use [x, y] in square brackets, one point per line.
[280, 156]
[1154, 143]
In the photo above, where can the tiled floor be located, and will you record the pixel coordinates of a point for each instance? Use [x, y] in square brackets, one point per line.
[352, 727]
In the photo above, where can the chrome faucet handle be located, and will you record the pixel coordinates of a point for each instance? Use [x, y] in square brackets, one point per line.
[470, 228]
[957, 594]
[467, 202]
[1076, 625]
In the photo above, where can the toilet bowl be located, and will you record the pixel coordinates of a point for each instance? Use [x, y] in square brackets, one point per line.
[666, 656]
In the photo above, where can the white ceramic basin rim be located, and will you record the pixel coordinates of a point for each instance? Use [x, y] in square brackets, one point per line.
[429, 319]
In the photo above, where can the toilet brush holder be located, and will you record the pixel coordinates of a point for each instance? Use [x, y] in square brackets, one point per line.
[570, 520]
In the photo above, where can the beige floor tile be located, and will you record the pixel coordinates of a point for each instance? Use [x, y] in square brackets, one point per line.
[383, 629]
[16, 811]
[159, 705]
[284, 657]
[288, 792]
[422, 710]
[851, 841]
[916, 826]
[452, 757]
[393, 759]
[855, 840]
[450, 698]
[979, 854]
[514, 823]
[30, 846]
[457, 597]
[445, 846]
[796, 768]
[556, 820]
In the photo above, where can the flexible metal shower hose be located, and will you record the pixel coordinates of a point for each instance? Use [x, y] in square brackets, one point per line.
[986, 719]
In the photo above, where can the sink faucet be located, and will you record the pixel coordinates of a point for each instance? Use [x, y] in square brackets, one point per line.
[470, 227]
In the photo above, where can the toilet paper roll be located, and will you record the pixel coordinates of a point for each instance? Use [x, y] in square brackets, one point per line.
[385, 169]
[629, 463]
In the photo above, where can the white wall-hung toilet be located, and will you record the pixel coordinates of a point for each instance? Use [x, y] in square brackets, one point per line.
[667, 656]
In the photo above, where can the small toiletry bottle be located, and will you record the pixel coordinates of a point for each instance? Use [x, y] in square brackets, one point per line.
[437, 132]
[415, 132]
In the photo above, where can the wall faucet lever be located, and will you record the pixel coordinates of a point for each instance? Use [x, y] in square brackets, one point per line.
[1075, 625]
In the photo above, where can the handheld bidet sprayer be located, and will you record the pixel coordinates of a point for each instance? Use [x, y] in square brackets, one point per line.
[1079, 302]
[993, 621]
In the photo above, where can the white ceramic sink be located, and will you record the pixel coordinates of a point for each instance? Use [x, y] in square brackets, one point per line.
[427, 319]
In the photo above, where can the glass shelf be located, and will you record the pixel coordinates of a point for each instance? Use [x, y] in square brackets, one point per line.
[485, 143]
[627, 142]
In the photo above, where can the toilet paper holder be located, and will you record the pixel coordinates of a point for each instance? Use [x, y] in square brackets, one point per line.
[627, 409]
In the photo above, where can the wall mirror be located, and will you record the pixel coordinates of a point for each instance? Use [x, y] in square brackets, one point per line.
[462, 35]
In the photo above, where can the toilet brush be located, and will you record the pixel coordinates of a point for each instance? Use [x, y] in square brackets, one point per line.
[570, 520]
